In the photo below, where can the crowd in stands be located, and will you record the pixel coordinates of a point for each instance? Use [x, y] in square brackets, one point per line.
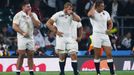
[45, 39]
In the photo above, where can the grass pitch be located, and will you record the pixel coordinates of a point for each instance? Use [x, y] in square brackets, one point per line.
[70, 73]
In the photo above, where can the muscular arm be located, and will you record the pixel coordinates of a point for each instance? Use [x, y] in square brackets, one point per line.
[50, 25]
[80, 32]
[92, 11]
[17, 29]
[36, 22]
[110, 24]
[76, 17]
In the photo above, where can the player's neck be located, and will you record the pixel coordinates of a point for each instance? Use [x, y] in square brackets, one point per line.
[99, 11]
[65, 11]
[25, 12]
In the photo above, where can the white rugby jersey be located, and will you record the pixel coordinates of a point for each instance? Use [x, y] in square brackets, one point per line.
[63, 22]
[99, 21]
[75, 25]
[25, 23]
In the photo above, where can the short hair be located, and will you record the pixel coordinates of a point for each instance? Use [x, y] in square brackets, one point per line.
[68, 4]
[24, 3]
[98, 2]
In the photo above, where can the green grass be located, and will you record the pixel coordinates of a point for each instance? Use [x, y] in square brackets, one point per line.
[70, 73]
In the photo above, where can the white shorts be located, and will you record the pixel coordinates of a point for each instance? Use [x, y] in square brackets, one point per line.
[66, 45]
[99, 40]
[25, 43]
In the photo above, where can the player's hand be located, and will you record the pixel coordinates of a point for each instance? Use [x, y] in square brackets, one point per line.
[70, 12]
[59, 33]
[78, 39]
[25, 34]
[30, 13]
[108, 32]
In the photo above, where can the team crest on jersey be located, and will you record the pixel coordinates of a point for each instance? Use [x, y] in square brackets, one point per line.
[61, 15]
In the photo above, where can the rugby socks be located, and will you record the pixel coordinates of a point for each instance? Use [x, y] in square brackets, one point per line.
[110, 65]
[17, 72]
[62, 66]
[31, 72]
[97, 65]
[74, 66]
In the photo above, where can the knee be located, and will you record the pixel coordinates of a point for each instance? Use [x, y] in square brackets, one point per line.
[109, 55]
[97, 56]
[30, 56]
[21, 56]
[73, 56]
[62, 57]
[61, 60]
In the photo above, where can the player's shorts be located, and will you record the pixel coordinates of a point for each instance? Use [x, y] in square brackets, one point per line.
[66, 45]
[100, 39]
[25, 43]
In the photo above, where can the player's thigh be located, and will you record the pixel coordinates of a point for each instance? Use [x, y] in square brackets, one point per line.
[73, 55]
[72, 47]
[96, 41]
[21, 53]
[60, 45]
[30, 53]
[62, 56]
[106, 41]
[97, 52]
[30, 45]
[108, 51]
[21, 43]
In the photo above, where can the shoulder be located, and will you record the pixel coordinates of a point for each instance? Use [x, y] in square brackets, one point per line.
[34, 13]
[18, 14]
[58, 13]
[76, 23]
[106, 12]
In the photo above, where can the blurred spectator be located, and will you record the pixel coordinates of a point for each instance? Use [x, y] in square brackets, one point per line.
[129, 11]
[127, 42]
[51, 7]
[89, 5]
[13, 45]
[115, 9]
[39, 52]
[133, 50]
[4, 31]
[60, 4]
[84, 43]
[4, 40]
[46, 4]
[73, 2]
[36, 9]
[81, 7]
[4, 50]
[129, 8]
[39, 39]
[115, 42]
[5, 35]
[3, 3]
[50, 41]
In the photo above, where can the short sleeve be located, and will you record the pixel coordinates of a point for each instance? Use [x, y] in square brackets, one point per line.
[55, 16]
[16, 19]
[79, 25]
[108, 16]
[35, 16]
